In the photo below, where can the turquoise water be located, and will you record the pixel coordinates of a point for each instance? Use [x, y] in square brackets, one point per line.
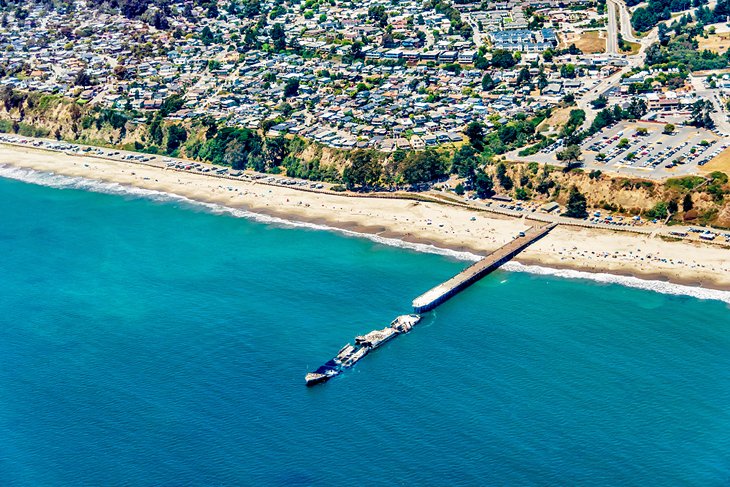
[147, 343]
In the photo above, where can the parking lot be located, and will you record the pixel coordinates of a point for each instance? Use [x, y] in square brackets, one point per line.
[625, 149]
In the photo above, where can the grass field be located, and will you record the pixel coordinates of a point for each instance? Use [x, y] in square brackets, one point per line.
[593, 41]
[718, 43]
[635, 46]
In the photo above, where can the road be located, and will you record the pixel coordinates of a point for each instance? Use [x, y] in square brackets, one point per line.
[625, 19]
[478, 35]
[615, 79]
[612, 36]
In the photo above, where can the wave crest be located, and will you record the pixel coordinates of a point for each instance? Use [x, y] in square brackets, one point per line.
[76, 182]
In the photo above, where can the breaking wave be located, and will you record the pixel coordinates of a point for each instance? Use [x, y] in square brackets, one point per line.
[74, 182]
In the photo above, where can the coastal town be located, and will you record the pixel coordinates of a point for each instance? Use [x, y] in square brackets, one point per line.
[588, 86]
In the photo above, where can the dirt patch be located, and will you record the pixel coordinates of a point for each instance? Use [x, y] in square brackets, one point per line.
[718, 43]
[720, 163]
[593, 41]
[557, 118]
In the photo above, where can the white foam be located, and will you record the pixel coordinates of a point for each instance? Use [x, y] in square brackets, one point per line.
[68, 182]
[628, 281]
[75, 182]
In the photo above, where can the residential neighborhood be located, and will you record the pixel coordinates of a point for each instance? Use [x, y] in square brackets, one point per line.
[379, 75]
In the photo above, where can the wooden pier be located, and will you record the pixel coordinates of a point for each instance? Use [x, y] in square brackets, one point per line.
[444, 291]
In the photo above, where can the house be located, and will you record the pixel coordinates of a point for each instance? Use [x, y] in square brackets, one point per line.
[467, 57]
[448, 57]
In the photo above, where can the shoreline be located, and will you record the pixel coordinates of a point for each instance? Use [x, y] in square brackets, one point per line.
[452, 229]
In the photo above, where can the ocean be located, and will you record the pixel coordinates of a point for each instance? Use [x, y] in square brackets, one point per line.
[149, 340]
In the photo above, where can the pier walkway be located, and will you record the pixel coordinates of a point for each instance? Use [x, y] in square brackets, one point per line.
[444, 291]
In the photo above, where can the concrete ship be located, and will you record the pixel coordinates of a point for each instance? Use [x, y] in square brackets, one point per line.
[350, 354]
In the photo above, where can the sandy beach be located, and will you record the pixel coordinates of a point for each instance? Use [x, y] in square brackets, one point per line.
[444, 226]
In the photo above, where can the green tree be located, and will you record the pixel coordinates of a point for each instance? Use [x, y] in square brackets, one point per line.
[475, 133]
[522, 194]
[571, 155]
[599, 102]
[503, 59]
[687, 203]
[363, 170]
[567, 71]
[673, 207]
[422, 167]
[488, 82]
[484, 185]
[278, 37]
[701, 110]
[576, 207]
[291, 88]
[659, 211]
[669, 129]
[275, 151]
[176, 135]
[464, 162]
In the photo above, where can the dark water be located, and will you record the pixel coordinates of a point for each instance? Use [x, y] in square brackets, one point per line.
[148, 343]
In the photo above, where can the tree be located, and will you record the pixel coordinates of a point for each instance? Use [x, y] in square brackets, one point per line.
[522, 194]
[171, 105]
[599, 102]
[576, 207]
[475, 132]
[176, 135]
[488, 82]
[356, 50]
[701, 110]
[484, 185]
[567, 71]
[673, 207]
[206, 36]
[275, 151]
[464, 162]
[82, 78]
[660, 211]
[235, 154]
[291, 88]
[422, 167]
[523, 76]
[364, 170]
[687, 204]
[120, 72]
[669, 129]
[378, 14]
[503, 59]
[278, 37]
[637, 108]
[480, 62]
[571, 155]
[643, 19]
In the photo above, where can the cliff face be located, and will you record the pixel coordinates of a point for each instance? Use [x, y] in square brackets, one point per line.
[35, 114]
[710, 195]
